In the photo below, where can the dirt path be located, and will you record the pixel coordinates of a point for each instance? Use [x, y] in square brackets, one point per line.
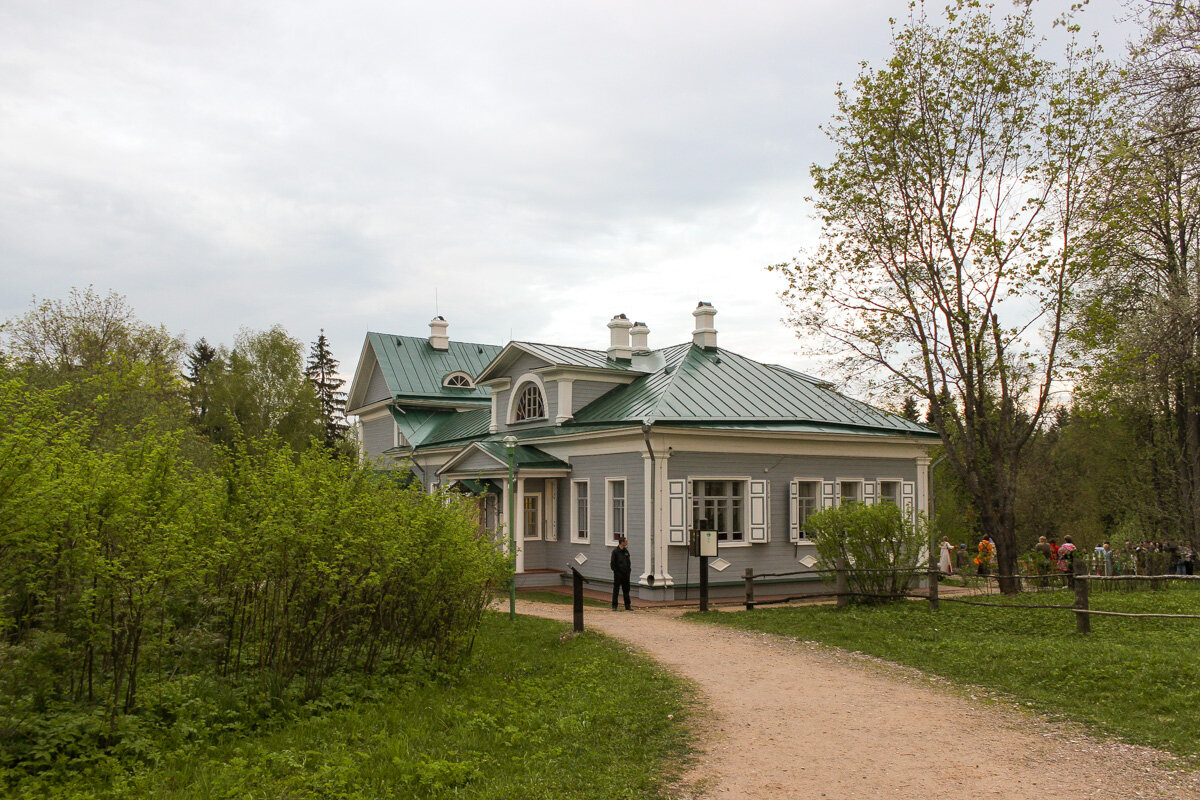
[795, 720]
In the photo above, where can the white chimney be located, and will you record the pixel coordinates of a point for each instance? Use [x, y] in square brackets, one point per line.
[705, 334]
[438, 339]
[638, 334]
[619, 343]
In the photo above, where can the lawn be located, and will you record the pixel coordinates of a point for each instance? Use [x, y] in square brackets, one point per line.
[1134, 679]
[539, 713]
[558, 598]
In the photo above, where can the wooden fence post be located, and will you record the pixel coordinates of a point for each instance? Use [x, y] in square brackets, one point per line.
[842, 587]
[704, 583]
[1083, 621]
[577, 599]
[749, 576]
[934, 574]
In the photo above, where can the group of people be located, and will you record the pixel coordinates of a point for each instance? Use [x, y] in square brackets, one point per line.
[1050, 557]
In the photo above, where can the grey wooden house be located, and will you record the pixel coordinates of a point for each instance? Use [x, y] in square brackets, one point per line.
[634, 441]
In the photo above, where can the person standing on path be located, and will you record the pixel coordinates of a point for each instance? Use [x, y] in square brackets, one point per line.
[621, 568]
[946, 562]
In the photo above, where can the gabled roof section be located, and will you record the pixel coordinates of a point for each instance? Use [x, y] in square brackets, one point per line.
[524, 457]
[414, 369]
[461, 425]
[710, 385]
[557, 356]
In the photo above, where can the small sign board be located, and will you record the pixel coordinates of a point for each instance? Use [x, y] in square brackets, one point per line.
[720, 565]
[703, 542]
[580, 558]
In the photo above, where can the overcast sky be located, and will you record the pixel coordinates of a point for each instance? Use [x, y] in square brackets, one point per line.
[535, 166]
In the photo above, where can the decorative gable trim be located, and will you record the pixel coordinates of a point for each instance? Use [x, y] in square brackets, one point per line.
[465, 453]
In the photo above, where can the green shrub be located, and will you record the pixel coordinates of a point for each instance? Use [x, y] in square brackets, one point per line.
[880, 545]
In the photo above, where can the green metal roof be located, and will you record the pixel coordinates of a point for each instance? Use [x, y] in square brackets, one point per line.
[461, 425]
[574, 356]
[415, 369]
[713, 386]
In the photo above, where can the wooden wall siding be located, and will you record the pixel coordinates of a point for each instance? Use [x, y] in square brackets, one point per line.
[377, 388]
[478, 460]
[778, 555]
[584, 392]
[378, 435]
[557, 555]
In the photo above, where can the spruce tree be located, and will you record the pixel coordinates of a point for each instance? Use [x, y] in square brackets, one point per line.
[199, 361]
[321, 370]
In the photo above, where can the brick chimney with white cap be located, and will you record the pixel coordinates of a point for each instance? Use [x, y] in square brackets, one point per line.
[438, 339]
[619, 342]
[705, 334]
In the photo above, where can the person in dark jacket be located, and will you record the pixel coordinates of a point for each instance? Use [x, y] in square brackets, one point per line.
[621, 568]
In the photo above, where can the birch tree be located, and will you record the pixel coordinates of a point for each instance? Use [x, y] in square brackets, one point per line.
[949, 251]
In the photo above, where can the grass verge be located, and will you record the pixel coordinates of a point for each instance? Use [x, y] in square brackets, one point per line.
[557, 598]
[1134, 679]
[538, 714]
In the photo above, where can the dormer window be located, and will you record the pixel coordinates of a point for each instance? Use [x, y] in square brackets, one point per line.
[530, 404]
[458, 380]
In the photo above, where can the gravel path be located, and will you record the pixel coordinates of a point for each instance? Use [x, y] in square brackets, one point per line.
[801, 720]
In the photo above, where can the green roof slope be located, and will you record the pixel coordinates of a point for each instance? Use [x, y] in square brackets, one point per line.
[699, 385]
[414, 368]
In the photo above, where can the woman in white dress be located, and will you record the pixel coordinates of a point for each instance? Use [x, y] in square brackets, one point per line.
[946, 562]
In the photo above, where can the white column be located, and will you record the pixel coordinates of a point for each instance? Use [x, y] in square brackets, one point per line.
[503, 515]
[519, 524]
[648, 503]
[661, 535]
[922, 500]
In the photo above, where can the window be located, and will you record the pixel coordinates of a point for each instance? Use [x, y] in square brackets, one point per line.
[889, 492]
[806, 502]
[579, 511]
[615, 512]
[850, 492]
[458, 380]
[722, 505]
[491, 512]
[533, 516]
[530, 404]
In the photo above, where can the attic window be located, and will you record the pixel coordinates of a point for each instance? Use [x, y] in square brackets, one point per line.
[530, 405]
[458, 380]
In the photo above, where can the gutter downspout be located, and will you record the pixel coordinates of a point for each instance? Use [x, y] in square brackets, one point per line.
[649, 548]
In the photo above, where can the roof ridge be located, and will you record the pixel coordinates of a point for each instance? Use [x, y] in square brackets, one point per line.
[426, 339]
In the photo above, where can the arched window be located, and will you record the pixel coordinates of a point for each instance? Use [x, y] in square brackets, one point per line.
[530, 404]
[458, 380]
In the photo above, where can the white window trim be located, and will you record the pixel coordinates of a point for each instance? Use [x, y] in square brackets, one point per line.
[745, 480]
[816, 503]
[515, 395]
[837, 490]
[609, 536]
[541, 508]
[899, 490]
[459, 374]
[575, 537]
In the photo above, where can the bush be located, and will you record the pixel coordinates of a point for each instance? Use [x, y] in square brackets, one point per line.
[880, 544]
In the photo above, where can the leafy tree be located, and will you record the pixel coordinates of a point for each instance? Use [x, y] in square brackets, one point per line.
[1142, 326]
[321, 370]
[949, 248]
[261, 391]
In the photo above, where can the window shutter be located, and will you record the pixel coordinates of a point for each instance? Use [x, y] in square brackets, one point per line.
[908, 501]
[551, 511]
[677, 508]
[828, 494]
[760, 508]
[869, 492]
[794, 512]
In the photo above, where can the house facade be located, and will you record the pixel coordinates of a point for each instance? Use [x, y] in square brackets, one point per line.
[634, 441]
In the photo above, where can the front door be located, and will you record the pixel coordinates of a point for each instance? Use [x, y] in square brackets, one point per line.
[533, 516]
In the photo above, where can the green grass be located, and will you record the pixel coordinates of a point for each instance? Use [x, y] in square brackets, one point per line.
[556, 597]
[1134, 679]
[538, 714]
